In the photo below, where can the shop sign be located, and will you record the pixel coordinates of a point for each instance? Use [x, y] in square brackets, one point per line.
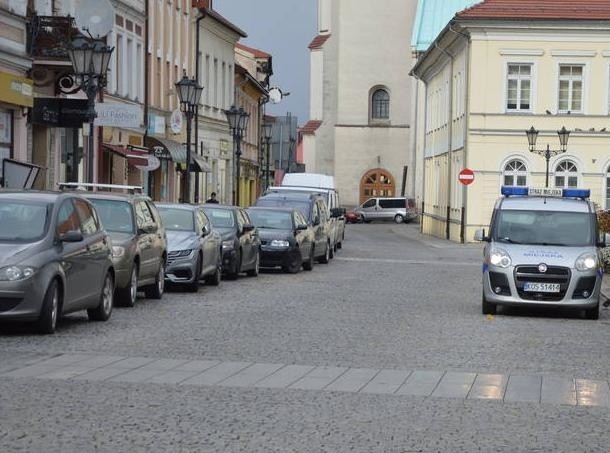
[156, 124]
[114, 114]
[16, 90]
[176, 121]
[60, 112]
[160, 152]
[153, 164]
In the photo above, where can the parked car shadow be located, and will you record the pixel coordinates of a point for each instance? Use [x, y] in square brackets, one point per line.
[543, 312]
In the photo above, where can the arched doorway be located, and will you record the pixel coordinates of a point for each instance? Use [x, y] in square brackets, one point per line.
[376, 183]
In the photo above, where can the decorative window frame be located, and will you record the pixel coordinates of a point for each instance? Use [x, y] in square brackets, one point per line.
[563, 158]
[533, 62]
[586, 83]
[523, 160]
[379, 121]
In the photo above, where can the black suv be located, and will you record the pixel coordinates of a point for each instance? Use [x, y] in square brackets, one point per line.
[139, 249]
[313, 207]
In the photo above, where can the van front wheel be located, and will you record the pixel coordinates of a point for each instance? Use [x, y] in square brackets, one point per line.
[399, 219]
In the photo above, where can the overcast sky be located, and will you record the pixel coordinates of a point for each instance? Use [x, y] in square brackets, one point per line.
[283, 28]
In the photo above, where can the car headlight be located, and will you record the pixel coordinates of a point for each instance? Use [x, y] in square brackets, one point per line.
[586, 262]
[182, 253]
[118, 251]
[14, 273]
[228, 245]
[500, 258]
[279, 244]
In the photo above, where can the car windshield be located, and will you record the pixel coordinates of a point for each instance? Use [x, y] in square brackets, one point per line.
[116, 216]
[302, 206]
[570, 229]
[23, 222]
[277, 220]
[220, 218]
[177, 219]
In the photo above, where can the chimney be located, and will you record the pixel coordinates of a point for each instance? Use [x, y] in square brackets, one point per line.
[202, 4]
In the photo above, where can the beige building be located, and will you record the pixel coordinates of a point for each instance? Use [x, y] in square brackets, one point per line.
[360, 102]
[493, 73]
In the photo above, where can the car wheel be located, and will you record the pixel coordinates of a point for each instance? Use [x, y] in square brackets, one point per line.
[326, 258]
[155, 291]
[365, 220]
[308, 265]
[233, 274]
[257, 264]
[127, 296]
[193, 287]
[214, 279]
[104, 309]
[399, 218]
[592, 313]
[339, 245]
[47, 322]
[487, 307]
[331, 251]
[295, 263]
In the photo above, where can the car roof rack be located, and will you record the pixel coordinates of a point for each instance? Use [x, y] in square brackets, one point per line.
[95, 186]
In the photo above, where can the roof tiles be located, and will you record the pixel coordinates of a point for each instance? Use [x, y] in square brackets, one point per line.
[318, 42]
[539, 9]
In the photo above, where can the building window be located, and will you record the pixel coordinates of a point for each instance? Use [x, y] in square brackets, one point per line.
[566, 174]
[515, 173]
[380, 105]
[6, 134]
[119, 64]
[570, 88]
[608, 189]
[519, 87]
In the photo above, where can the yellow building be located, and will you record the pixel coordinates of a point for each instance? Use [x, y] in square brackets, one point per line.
[495, 72]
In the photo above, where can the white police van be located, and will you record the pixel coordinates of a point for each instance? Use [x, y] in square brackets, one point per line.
[543, 249]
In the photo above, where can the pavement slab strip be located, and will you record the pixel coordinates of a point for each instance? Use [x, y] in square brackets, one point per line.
[318, 378]
[30, 371]
[171, 377]
[251, 375]
[65, 359]
[454, 385]
[386, 382]
[489, 386]
[197, 365]
[131, 363]
[148, 371]
[101, 374]
[420, 383]
[214, 375]
[353, 380]
[558, 390]
[592, 392]
[524, 389]
[284, 377]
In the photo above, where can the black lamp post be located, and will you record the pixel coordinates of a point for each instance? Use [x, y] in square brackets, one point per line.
[189, 93]
[90, 60]
[267, 133]
[238, 122]
[532, 137]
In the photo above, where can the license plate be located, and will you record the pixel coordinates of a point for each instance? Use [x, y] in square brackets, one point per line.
[542, 287]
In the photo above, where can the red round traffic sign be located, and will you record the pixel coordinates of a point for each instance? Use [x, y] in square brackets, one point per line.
[466, 176]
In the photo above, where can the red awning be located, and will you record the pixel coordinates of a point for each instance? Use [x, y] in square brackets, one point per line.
[134, 157]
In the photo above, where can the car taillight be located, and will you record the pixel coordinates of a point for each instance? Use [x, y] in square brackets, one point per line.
[411, 203]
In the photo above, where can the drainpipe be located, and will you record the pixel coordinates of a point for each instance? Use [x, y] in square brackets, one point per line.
[197, 63]
[147, 82]
[450, 140]
[423, 187]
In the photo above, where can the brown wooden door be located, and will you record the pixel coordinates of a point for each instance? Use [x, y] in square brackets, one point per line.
[376, 183]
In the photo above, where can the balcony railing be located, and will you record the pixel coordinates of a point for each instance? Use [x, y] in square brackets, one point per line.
[49, 35]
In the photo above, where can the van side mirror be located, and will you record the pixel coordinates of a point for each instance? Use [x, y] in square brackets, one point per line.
[479, 236]
[205, 230]
[316, 221]
[335, 213]
[71, 236]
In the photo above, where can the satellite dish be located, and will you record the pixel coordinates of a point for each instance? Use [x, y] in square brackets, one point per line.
[94, 17]
[275, 95]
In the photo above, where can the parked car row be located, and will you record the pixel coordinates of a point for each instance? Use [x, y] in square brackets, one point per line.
[62, 252]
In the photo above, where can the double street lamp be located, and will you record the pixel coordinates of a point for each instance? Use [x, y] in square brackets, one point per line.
[267, 134]
[532, 137]
[189, 93]
[90, 59]
[238, 122]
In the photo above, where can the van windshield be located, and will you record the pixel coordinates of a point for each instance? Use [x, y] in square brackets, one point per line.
[303, 206]
[568, 229]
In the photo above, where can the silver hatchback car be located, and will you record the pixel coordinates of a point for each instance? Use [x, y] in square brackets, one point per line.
[55, 258]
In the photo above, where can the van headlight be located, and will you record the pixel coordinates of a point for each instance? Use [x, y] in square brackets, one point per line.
[14, 273]
[118, 251]
[276, 243]
[586, 262]
[228, 245]
[500, 258]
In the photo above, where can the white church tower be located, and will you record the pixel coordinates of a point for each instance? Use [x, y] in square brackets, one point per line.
[360, 100]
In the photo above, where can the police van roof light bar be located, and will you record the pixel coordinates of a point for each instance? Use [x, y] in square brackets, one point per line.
[512, 191]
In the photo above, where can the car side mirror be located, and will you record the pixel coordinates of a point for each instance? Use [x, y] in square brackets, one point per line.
[71, 236]
[205, 230]
[302, 227]
[479, 236]
[247, 228]
[335, 213]
[316, 221]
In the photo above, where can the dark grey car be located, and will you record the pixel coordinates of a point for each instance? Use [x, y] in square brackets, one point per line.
[55, 258]
[194, 249]
[139, 243]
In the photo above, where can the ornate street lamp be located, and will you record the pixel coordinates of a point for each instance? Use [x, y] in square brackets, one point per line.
[532, 137]
[90, 60]
[189, 93]
[238, 122]
[267, 134]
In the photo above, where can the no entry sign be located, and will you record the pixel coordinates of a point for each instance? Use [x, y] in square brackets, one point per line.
[466, 176]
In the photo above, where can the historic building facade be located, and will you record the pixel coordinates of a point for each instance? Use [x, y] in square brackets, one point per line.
[360, 104]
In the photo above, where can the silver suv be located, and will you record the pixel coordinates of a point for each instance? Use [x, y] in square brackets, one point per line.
[398, 209]
[542, 250]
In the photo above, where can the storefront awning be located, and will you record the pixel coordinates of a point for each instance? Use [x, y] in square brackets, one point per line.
[134, 157]
[164, 148]
[200, 165]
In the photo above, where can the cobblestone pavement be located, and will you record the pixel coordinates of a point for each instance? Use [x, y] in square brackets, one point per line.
[384, 349]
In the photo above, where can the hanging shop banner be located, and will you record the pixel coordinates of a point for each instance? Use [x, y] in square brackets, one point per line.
[113, 114]
[176, 121]
[16, 90]
[156, 124]
[60, 112]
